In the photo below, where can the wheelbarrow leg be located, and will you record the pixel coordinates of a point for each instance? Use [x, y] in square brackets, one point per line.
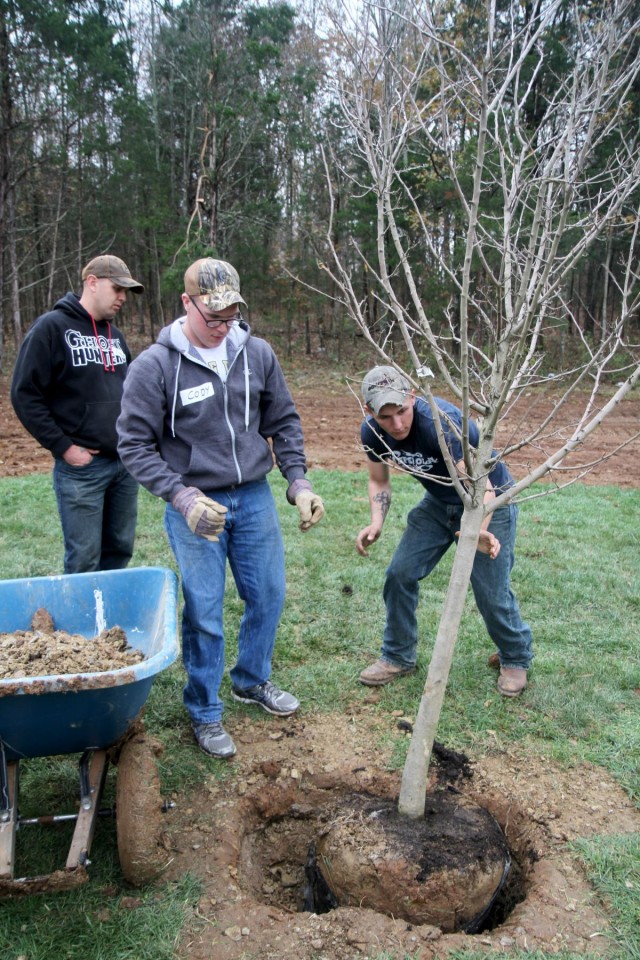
[93, 770]
[8, 814]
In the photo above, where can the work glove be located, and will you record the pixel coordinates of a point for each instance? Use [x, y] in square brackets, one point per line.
[309, 504]
[310, 507]
[204, 516]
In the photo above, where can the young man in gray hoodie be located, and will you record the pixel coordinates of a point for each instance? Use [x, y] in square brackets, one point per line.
[204, 412]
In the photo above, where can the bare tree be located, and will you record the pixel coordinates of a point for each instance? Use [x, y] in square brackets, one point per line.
[7, 194]
[529, 118]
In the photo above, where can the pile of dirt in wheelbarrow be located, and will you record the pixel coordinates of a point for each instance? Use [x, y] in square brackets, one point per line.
[45, 651]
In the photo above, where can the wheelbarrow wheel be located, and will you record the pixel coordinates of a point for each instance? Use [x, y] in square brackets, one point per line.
[139, 819]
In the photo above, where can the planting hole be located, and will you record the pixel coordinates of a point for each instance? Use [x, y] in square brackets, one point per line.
[317, 849]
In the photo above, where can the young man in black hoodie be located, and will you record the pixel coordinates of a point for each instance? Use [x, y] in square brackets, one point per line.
[66, 390]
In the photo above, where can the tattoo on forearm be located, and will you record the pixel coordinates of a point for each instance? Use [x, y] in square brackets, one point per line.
[384, 499]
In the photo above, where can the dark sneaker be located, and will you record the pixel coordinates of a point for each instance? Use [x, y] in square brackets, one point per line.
[214, 740]
[269, 697]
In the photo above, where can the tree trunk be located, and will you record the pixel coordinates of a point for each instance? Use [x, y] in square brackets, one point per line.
[8, 250]
[416, 768]
[5, 133]
[62, 189]
[13, 264]
[604, 309]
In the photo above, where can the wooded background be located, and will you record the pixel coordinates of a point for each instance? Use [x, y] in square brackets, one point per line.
[166, 131]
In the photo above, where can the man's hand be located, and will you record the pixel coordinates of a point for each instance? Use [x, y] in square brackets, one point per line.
[310, 507]
[487, 543]
[365, 538]
[77, 456]
[204, 516]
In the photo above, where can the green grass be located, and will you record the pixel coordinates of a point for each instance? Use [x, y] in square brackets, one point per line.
[614, 866]
[94, 922]
[578, 583]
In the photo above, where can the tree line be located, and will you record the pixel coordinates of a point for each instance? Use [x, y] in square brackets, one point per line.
[165, 131]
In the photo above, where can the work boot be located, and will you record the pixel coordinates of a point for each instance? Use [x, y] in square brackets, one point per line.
[512, 681]
[494, 661]
[382, 672]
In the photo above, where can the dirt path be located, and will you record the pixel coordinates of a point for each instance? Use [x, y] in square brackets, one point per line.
[331, 420]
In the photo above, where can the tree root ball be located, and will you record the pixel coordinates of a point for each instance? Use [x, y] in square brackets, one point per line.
[442, 870]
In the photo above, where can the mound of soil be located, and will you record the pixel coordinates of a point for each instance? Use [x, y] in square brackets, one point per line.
[45, 651]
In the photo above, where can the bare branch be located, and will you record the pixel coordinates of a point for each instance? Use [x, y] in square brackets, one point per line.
[531, 130]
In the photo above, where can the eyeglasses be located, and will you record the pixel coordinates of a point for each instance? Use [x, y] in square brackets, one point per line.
[216, 320]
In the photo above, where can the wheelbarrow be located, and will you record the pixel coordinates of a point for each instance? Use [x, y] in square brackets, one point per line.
[96, 715]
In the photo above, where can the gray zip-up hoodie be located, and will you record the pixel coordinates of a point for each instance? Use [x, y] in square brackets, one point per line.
[182, 426]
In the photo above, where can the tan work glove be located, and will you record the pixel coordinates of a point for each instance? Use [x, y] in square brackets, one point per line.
[310, 507]
[204, 516]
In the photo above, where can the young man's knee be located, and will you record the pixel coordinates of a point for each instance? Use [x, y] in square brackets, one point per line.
[401, 578]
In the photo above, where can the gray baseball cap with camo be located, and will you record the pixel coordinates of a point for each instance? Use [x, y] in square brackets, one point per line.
[384, 385]
[215, 282]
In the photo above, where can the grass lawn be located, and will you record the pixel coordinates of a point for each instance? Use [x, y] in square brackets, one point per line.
[577, 578]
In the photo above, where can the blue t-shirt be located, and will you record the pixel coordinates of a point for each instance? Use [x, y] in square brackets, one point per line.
[420, 451]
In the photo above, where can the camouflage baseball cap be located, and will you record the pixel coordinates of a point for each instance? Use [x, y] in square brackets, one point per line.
[215, 282]
[384, 385]
[112, 268]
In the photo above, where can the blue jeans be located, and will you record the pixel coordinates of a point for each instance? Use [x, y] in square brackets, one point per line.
[98, 507]
[252, 542]
[431, 528]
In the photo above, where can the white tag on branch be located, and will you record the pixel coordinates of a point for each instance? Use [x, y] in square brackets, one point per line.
[424, 372]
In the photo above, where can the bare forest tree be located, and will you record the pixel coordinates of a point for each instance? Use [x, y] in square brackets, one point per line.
[157, 131]
[8, 252]
[499, 145]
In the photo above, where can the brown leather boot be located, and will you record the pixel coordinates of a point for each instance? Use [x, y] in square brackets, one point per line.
[512, 681]
[382, 672]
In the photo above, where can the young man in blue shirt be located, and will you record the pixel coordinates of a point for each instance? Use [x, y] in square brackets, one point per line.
[400, 430]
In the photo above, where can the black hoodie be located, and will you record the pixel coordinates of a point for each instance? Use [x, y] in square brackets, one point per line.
[67, 382]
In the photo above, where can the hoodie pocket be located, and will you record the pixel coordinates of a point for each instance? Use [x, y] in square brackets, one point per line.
[98, 426]
[211, 463]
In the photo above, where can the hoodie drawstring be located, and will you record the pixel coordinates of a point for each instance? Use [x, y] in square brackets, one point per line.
[108, 365]
[246, 392]
[175, 397]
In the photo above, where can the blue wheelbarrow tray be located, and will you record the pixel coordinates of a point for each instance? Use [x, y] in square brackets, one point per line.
[88, 713]
[50, 715]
